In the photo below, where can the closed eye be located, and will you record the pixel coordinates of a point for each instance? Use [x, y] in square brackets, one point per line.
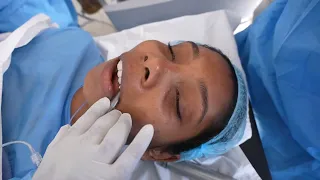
[178, 112]
[171, 52]
[178, 104]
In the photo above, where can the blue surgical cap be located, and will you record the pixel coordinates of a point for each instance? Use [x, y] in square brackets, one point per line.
[232, 134]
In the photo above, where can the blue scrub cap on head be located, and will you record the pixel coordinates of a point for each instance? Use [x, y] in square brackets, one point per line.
[232, 134]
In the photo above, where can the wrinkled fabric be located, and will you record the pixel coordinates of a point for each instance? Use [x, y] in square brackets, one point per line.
[38, 88]
[14, 13]
[6, 169]
[280, 53]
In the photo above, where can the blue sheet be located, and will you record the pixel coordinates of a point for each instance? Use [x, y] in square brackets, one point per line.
[13, 13]
[38, 88]
[37, 91]
[280, 53]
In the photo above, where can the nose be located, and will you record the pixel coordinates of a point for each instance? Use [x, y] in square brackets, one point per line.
[154, 69]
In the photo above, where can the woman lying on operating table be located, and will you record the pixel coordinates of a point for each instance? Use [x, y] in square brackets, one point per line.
[191, 94]
[187, 91]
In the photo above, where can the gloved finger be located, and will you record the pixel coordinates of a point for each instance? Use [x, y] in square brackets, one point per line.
[115, 139]
[88, 118]
[61, 133]
[101, 127]
[130, 157]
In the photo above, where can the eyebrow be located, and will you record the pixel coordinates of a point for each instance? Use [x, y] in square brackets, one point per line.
[195, 49]
[204, 97]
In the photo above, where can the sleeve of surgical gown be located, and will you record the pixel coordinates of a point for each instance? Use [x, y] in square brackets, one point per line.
[280, 53]
[26, 177]
[13, 13]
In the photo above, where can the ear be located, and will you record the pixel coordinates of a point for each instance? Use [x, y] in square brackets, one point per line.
[158, 154]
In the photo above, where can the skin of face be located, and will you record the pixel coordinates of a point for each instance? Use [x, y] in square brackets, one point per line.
[166, 91]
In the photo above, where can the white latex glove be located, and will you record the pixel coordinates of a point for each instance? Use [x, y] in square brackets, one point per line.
[90, 148]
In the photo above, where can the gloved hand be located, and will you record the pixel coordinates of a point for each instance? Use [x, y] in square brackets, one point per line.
[89, 149]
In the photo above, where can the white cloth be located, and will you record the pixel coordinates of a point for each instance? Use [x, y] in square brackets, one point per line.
[213, 28]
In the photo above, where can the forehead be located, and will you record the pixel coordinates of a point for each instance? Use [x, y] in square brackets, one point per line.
[216, 73]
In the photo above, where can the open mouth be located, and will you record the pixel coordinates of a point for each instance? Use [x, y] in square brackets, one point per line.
[111, 78]
[117, 76]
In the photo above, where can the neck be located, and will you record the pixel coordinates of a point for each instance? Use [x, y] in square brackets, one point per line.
[78, 100]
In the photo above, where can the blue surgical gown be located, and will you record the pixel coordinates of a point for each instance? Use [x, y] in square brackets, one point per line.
[42, 78]
[37, 91]
[280, 53]
[13, 13]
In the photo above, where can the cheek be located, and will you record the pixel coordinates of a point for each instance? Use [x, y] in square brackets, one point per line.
[143, 111]
[92, 90]
[137, 124]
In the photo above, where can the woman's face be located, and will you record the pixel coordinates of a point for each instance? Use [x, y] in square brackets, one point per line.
[180, 92]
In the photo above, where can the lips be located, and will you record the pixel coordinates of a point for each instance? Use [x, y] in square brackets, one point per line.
[109, 78]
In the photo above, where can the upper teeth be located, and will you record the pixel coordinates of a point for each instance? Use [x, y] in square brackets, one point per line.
[119, 73]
